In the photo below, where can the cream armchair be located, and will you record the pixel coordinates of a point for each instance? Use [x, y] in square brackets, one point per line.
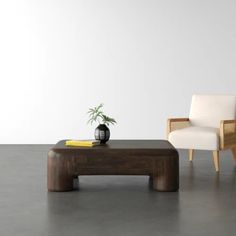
[211, 126]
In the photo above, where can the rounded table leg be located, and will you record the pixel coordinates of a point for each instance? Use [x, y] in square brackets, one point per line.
[166, 174]
[76, 183]
[60, 176]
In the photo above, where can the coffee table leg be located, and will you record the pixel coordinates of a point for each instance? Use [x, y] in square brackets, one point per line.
[60, 176]
[76, 183]
[150, 181]
[166, 174]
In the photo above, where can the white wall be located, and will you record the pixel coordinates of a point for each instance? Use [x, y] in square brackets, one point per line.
[143, 59]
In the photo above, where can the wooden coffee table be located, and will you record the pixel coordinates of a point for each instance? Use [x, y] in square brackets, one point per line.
[155, 158]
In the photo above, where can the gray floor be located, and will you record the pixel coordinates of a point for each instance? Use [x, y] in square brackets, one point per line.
[115, 205]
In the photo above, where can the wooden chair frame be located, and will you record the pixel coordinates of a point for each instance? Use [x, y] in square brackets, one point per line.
[227, 136]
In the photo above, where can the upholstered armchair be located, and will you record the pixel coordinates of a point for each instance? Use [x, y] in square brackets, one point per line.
[211, 125]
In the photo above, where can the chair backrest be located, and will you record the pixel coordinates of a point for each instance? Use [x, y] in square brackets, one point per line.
[209, 110]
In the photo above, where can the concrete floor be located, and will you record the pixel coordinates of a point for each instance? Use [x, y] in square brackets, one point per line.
[115, 205]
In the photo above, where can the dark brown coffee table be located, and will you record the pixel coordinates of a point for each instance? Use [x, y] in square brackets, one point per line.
[155, 158]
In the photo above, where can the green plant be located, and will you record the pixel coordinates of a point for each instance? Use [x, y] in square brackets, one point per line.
[97, 115]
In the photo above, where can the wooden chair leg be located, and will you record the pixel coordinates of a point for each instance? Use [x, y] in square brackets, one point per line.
[216, 160]
[234, 152]
[191, 152]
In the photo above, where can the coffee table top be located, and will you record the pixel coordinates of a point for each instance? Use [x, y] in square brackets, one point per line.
[157, 146]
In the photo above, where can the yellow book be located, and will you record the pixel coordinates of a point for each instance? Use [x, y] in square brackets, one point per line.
[82, 143]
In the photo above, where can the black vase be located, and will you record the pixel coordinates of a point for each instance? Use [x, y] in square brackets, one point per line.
[102, 133]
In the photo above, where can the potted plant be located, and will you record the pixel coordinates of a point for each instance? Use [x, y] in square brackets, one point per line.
[102, 132]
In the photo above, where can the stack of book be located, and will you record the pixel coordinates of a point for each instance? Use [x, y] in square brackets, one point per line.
[82, 143]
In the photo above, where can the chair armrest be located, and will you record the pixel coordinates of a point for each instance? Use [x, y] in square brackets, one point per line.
[176, 123]
[227, 134]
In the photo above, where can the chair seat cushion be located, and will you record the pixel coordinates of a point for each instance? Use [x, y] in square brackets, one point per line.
[204, 138]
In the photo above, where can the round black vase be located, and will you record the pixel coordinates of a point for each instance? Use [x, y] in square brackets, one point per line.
[102, 133]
